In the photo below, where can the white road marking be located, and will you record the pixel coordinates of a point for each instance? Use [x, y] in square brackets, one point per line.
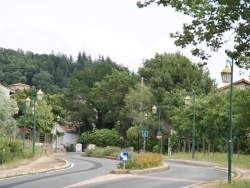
[100, 179]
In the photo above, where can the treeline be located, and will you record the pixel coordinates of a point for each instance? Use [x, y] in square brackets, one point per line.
[49, 72]
[100, 93]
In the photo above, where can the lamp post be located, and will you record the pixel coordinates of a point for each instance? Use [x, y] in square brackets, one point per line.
[39, 96]
[26, 105]
[146, 117]
[145, 138]
[16, 110]
[58, 119]
[119, 130]
[227, 77]
[158, 136]
[187, 102]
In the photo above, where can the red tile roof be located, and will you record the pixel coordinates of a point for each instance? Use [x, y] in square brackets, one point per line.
[243, 80]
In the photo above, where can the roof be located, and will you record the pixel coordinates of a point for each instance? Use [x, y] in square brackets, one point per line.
[68, 129]
[20, 84]
[243, 80]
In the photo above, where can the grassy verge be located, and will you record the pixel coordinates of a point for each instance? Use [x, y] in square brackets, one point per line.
[18, 161]
[242, 161]
[236, 184]
[238, 161]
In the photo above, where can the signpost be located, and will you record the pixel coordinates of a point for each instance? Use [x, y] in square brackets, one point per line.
[144, 135]
[124, 156]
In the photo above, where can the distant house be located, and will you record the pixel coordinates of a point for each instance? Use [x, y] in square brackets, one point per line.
[18, 86]
[240, 84]
[70, 136]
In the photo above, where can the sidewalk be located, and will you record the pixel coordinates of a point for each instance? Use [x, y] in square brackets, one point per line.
[43, 164]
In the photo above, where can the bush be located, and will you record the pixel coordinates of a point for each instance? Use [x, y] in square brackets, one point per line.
[12, 150]
[100, 137]
[103, 152]
[69, 147]
[142, 161]
[16, 148]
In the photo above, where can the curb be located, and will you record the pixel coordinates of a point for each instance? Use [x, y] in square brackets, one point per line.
[66, 165]
[162, 168]
[211, 165]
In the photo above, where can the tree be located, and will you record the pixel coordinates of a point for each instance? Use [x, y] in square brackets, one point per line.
[212, 21]
[8, 125]
[80, 98]
[139, 101]
[44, 117]
[241, 123]
[42, 80]
[109, 96]
[166, 72]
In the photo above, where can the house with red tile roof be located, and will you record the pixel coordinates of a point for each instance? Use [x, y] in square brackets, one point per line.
[18, 86]
[240, 84]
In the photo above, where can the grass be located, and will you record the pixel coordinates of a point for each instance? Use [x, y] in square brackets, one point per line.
[242, 161]
[236, 184]
[17, 161]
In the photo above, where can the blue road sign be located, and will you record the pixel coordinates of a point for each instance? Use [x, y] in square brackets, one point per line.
[124, 156]
[144, 133]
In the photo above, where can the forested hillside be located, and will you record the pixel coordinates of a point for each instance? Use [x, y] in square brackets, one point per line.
[50, 72]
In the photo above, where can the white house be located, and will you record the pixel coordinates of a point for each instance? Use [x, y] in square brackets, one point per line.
[70, 137]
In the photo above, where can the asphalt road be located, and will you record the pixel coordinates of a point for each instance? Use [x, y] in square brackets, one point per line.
[94, 173]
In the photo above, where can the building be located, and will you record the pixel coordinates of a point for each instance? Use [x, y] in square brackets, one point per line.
[240, 84]
[70, 136]
[19, 86]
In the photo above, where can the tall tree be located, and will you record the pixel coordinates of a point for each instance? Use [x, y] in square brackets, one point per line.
[214, 22]
[44, 117]
[166, 72]
[8, 125]
[109, 96]
[79, 101]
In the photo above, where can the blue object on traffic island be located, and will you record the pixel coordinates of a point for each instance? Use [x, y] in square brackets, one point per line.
[124, 156]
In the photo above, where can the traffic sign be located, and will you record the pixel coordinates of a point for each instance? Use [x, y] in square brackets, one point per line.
[124, 156]
[144, 134]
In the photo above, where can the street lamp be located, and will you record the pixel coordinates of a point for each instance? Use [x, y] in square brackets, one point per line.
[187, 102]
[145, 138]
[227, 77]
[146, 117]
[58, 119]
[120, 132]
[118, 124]
[39, 96]
[26, 105]
[16, 110]
[158, 136]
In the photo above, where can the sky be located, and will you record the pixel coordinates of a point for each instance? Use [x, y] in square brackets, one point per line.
[113, 28]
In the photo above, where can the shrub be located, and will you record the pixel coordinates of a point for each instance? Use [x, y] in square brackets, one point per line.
[142, 161]
[100, 137]
[16, 148]
[103, 152]
[12, 150]
[69, 147]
